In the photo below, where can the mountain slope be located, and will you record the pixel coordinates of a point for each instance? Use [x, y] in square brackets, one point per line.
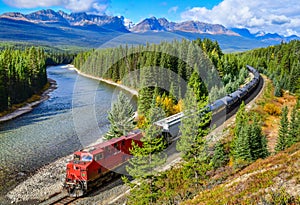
[274, 180]
[162, 24]
[89, 30]
[271, 38]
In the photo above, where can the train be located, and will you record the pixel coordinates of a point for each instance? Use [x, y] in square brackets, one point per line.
[94, 165]
[230, 101]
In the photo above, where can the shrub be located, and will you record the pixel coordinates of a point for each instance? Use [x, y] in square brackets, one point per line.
[272, 109]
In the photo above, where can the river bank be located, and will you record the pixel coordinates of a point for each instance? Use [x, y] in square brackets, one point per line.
[123, 87]
[30, 105]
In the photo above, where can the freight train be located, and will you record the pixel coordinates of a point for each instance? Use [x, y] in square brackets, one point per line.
[99, 163]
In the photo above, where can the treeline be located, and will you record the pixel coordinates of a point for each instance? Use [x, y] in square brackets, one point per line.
[22, 73]
[168, 66]
[280, 63]
[59, 57]
[54, 55]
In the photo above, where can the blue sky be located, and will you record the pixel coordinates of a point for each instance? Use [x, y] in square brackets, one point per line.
[280, 16]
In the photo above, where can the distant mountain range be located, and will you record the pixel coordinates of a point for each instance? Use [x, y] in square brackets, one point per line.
[89, 30]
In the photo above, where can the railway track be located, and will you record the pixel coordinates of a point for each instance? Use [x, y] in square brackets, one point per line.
[63, 201]
[61, 198]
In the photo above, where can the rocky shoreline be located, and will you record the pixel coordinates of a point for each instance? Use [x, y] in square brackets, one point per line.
[29, 106]
[123, 87]
[47, 181]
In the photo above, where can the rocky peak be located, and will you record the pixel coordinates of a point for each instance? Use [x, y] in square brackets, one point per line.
[148, 24]
[45, 16]
[13, 15]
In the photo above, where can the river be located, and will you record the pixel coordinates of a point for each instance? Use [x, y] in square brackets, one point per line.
[74, 116]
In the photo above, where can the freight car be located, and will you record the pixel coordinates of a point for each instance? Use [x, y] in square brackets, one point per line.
[230, 101]
[96, 164]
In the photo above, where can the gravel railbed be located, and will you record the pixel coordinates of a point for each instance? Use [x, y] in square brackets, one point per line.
[47, 181]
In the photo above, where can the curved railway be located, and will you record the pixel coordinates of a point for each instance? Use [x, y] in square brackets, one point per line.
[226, 106]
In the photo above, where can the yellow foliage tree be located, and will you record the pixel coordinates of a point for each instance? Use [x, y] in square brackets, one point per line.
[168, 105]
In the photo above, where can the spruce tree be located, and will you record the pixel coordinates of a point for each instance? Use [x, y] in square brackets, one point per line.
[257, 141]
[240, 147]
[241, 119]
[277, 91]
[121, 117]
[219, 158]
[192, 143]
[145, 92]
[282, 139]
[293, 132]
[148, 157]
[249, 143]
[298, 126]
[189, 128]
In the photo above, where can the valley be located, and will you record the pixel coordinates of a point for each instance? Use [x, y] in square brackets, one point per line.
[173, 102]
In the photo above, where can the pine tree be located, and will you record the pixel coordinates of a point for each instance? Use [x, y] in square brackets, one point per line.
[257, 141]
[240, 147]
[121, 117]
[241, 119]
[192, 143]
[293, 132]
[277, 91]
[282, 139]
[219, 158]
[147, 158]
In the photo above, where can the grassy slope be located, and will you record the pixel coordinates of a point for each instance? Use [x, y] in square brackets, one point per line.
[262, 180]
[275, 179]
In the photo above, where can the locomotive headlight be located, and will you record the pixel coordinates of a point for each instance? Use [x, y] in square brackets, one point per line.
[83, 174]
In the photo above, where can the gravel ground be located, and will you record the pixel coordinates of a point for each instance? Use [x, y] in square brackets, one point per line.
[45, 182]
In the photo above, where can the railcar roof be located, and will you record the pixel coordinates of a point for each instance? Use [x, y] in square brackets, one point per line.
[95, 149]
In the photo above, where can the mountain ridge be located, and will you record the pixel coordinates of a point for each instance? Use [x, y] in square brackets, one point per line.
[93, 30]
[162, 24]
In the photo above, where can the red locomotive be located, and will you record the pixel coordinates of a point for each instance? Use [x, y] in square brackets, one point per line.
[96, 164]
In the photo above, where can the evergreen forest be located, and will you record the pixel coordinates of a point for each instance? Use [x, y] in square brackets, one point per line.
[23, 71]
[169, 67]
[281, 63]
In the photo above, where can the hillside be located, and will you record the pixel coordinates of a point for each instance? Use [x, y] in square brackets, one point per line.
[274, 180]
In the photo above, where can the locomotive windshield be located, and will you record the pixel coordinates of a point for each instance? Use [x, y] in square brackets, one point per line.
[76, 157]
[86, 158]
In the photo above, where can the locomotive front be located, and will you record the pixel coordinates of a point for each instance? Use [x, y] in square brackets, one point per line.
[76, 175]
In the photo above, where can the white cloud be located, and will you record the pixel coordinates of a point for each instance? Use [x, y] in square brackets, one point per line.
[281, 16]
[99, 6]
[173, 9]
